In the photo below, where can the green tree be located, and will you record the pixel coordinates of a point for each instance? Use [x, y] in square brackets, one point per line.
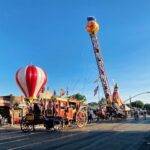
[128, 105]
[79, 97]
[93, 105]
[147, 106]
[102, 101]
[138, 104]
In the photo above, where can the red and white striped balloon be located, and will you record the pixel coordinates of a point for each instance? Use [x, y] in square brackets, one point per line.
[31, 80]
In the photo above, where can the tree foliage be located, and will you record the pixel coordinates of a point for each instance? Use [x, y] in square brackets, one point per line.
[128, 105]
[102, 101]
[147, 107]
[93, 105]
[138, 104]
[79, 97]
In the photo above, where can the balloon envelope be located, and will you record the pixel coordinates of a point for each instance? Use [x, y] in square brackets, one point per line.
[31, 80]
[92, 27]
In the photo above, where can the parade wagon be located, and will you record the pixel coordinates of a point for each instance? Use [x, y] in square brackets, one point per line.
[57, 114]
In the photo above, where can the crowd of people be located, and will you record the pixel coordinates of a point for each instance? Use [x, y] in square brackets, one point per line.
[101, 113]
[137, 113]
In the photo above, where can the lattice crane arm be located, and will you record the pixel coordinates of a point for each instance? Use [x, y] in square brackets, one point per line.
[92, 28]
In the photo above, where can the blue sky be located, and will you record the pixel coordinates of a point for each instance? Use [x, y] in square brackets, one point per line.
[51, 34]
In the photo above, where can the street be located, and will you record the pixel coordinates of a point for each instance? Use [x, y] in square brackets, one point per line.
[120, 135]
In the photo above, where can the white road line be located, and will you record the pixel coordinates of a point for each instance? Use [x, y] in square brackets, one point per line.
[148, 143]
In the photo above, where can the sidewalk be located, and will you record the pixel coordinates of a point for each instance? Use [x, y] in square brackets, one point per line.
[15, 127]
[9, 127]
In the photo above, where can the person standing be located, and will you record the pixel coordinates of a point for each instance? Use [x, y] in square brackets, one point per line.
[136, 114]
[1, 119]
[90, 116]
[144, 114]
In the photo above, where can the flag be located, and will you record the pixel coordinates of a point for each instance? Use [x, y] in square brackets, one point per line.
[96, 90]
[54, 94]
[67, 92]
[62, 92]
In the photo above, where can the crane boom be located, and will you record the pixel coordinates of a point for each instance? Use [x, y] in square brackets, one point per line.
[93, 27]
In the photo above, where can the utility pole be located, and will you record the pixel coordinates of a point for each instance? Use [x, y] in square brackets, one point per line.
[130, 102]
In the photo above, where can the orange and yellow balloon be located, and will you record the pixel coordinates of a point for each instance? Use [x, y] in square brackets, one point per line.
[92, 26]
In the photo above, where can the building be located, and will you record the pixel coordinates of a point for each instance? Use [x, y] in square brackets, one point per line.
[14, 107]
[45, 95]
[5, 107]
[10, 108]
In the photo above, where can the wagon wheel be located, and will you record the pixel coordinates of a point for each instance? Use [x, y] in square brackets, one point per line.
[31, 127]
[58, 125]
[81, 119]
[26, 127]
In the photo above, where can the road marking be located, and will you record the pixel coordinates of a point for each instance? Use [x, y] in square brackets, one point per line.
[148, 143]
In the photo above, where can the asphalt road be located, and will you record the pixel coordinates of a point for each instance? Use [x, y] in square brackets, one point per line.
[122, 135]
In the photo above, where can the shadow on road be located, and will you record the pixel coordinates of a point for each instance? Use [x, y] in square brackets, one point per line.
[83, 139]
[116, 135]
[95, 140]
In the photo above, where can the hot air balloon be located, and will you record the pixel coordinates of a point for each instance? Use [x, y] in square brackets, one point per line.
[92, 26]
[31, 80]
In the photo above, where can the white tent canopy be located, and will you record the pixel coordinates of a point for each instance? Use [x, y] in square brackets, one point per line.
[127, 108]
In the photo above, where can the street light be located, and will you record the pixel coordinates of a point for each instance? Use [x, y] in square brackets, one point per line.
[148, 92]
